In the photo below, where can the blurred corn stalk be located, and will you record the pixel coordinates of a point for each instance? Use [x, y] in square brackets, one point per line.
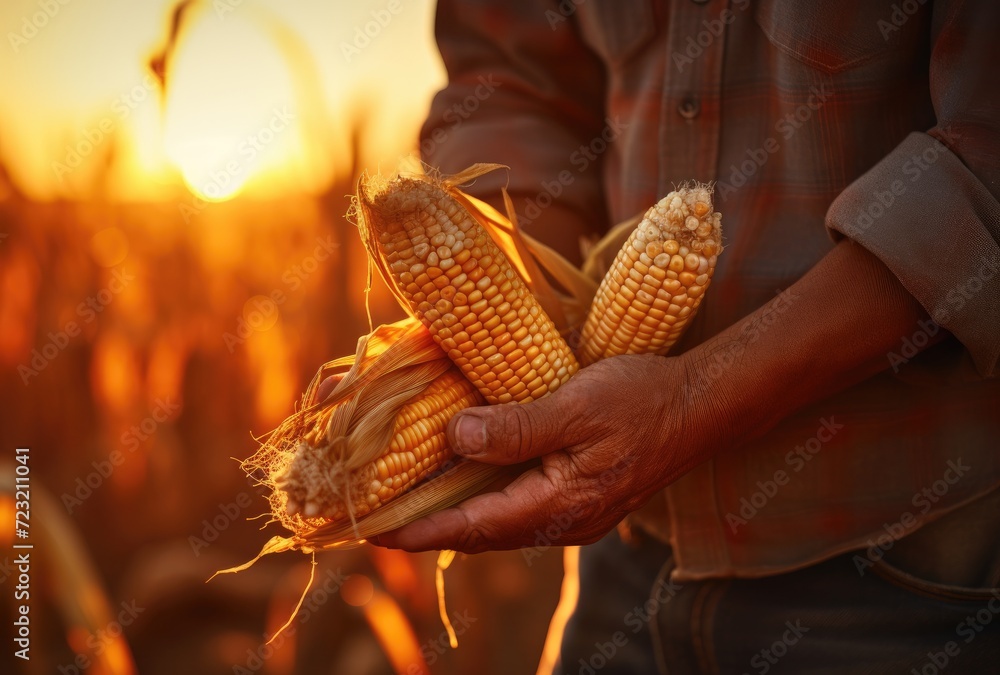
[61, 565]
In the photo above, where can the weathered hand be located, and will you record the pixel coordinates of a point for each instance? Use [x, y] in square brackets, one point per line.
[608, 439]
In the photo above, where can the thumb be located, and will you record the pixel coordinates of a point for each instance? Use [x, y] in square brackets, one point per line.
[511, 433]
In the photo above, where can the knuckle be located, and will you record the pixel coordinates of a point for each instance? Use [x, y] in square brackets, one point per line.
[591, 504]
[517, 433]
[472, 540]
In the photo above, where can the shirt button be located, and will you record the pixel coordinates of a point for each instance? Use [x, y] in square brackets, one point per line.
[689, 108]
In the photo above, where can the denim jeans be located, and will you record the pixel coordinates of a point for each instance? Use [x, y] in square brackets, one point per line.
[828, 618]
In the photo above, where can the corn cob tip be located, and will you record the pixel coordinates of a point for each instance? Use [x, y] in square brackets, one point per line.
[320, 481]
[657, 280]
[303, 484]
[686, 216]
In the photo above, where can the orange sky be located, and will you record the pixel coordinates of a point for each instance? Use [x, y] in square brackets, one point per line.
[261, 94]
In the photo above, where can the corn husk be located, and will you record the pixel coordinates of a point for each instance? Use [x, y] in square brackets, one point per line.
[391, 365]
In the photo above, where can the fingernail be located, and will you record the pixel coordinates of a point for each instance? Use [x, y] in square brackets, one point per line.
[470, 435]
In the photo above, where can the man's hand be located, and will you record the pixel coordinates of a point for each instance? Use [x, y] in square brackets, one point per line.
[608, 439]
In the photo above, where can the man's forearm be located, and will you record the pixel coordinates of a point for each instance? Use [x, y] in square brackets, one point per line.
[831, 329]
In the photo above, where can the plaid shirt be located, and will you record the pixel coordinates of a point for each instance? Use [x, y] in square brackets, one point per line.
[878, 121]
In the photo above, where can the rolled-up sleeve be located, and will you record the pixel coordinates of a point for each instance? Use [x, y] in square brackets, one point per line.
[930, 210]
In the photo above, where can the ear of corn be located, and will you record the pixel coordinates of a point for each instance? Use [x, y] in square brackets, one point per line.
[374, 437]
[450, 274]
[321, 482]
[656, 282]
[350, 466]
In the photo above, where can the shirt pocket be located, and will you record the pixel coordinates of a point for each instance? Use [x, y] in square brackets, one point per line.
[616, 29]
[831, 37]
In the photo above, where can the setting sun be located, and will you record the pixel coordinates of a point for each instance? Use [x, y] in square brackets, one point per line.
[230, 112]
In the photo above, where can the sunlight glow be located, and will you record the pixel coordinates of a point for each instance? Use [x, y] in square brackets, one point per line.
[230, 110]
